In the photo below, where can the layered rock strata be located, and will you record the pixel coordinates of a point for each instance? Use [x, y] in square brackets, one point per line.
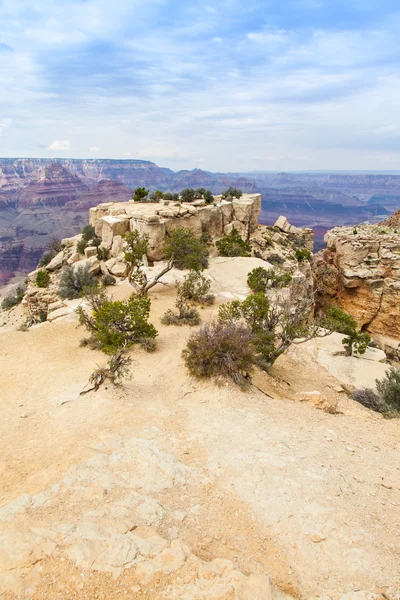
[360, 271]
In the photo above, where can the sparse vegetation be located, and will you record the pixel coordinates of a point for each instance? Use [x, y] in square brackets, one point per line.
[52, 248]
[386, 399]
[186, 251]
[46, 258]
[135, 250]
[260, 279]
[186, 315]
[188, 195]
[108, 279]
[303, 254]
[116, 370]
[233, 245]
[274, 325]
[13, 299]
[74, 280]
[42, 278]
[140, 194]
[117, 324]
[231, 193]
[338, 320]
[196, 288]
[103, 253]
[220, 350]
[89, 238]
[275, 259]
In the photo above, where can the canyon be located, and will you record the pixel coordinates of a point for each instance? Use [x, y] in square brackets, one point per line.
[45, 198]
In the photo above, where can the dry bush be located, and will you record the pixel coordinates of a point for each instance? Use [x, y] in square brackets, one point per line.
[221, 350]
[117, 369]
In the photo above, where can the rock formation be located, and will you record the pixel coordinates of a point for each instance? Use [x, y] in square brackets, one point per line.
[393, 221]
[55, 187]
[112, 220]
[360, 271]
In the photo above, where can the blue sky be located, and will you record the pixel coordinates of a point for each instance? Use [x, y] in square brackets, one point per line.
[228, 85]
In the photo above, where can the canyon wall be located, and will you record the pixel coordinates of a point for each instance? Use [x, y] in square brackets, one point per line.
[360, 272]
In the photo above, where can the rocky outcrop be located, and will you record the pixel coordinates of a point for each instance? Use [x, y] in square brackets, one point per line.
[393, 221]
[113, 220]
[360, 271]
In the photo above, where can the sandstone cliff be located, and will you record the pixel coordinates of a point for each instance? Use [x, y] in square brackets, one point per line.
[360, 271]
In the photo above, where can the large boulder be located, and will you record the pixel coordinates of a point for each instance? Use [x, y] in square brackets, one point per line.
[283, 224]
[112, 226]
[56, 262]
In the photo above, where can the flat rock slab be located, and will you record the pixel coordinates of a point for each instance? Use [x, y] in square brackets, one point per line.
[60, 312]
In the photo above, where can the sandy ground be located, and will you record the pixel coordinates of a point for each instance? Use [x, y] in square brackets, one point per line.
[179, 473]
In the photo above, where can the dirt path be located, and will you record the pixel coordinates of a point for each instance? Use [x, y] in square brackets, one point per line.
[130, 491]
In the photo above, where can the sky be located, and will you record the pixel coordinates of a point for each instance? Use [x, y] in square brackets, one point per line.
[227, 85]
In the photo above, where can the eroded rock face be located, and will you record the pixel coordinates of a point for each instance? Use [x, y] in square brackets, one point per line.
[360, 271]
[111, 220]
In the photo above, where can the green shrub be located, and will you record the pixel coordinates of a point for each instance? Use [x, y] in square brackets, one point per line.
[13, 299]
[140, 194]
[74, 280]
[303, 254]
[232, 192]
[386, 399]
[96, 241]
[188, 195]
[336, 319]
[233, 245]
[221, 350]
[389, 392]
[367, 397]
[186, 315]
[297, 241]
[186, 250]
[46, 258]
[273, 325]
[208, 197]
[81, 246]
[275, 259]
[196, 288]
[120, 324]
[260, 279]
[42, 279]
[108, 280]
[88, 233]
[103, 253]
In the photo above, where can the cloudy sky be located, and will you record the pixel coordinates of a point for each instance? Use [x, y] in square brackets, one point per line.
[219, 84]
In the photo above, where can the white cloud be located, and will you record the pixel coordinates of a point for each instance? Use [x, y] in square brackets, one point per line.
[4, 125]
[94, 148]
[60, 145]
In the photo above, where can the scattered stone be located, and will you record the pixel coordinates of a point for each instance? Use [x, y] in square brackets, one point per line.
[56, 262]
[282, 224]
[90, 251]
[57, 314]
[317, 538]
